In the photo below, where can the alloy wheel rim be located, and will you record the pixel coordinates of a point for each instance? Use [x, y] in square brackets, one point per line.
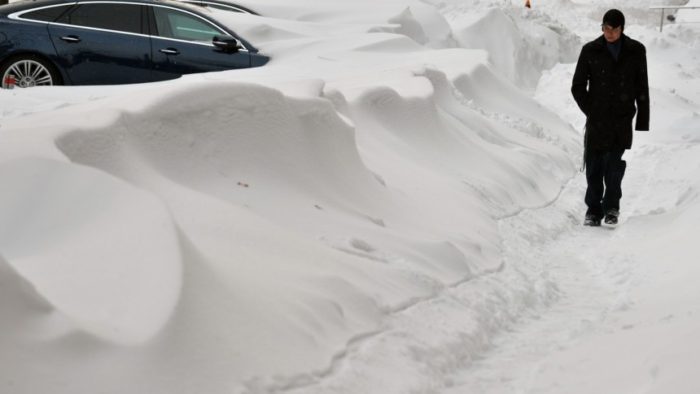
[25, 74]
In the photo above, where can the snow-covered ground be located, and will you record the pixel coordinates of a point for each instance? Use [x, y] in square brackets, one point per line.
[392, 205]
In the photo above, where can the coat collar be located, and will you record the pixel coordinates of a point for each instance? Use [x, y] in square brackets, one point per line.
[600, 44]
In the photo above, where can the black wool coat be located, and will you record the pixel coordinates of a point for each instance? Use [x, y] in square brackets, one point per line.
[610, 92]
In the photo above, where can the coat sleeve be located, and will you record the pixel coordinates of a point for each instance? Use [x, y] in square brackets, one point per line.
[579, 85]
[642, 94]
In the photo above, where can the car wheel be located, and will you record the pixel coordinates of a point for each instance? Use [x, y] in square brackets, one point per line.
[28, 71]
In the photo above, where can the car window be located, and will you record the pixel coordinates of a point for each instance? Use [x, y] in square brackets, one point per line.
[176, 24]
[120, 17]
[49, 14]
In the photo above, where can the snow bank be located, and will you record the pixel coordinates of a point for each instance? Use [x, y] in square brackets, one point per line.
[412, 19]
[19, 300]
[78, 237]
[306, 210]
[521, 44]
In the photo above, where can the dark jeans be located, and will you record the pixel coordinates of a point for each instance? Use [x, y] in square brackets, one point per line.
[604, 173]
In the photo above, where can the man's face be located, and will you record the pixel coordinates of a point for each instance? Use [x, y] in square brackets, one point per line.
[612, 34]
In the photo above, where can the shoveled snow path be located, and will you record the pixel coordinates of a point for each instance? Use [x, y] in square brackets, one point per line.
[595, 269]
[561, 283]
[558, 283]
[592, 271]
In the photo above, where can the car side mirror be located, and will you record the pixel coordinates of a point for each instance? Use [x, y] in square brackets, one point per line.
[226, 43]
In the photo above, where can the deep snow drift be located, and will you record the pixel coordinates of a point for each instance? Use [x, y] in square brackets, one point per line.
[392, 205]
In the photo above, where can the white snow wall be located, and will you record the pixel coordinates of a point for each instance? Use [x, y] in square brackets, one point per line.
[261, 229]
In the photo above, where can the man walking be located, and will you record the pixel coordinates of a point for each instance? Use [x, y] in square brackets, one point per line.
[610, 85]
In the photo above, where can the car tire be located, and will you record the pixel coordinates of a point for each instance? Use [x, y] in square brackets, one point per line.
[26, 71]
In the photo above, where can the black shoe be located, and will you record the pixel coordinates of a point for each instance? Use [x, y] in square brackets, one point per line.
[611, 216]
[592, 220]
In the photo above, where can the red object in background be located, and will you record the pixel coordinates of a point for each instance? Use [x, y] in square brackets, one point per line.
[10, 80]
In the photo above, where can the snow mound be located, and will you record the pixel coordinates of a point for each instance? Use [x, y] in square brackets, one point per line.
[520, 44]
[102, 253]
[18, 297]
[240, 143]
[444, 133]
[280, 197]
[413, 19]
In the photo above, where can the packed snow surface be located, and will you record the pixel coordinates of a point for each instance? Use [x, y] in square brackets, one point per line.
[392, 205]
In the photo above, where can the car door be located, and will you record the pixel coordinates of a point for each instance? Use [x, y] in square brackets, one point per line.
[182, 44]
[103, 43]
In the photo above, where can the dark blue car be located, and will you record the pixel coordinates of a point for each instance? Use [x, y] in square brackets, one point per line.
[88, 42]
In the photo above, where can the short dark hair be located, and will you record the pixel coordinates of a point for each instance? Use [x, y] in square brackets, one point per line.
[614, 18]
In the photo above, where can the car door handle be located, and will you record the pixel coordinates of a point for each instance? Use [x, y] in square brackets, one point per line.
[169, 51]
[70, 38]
